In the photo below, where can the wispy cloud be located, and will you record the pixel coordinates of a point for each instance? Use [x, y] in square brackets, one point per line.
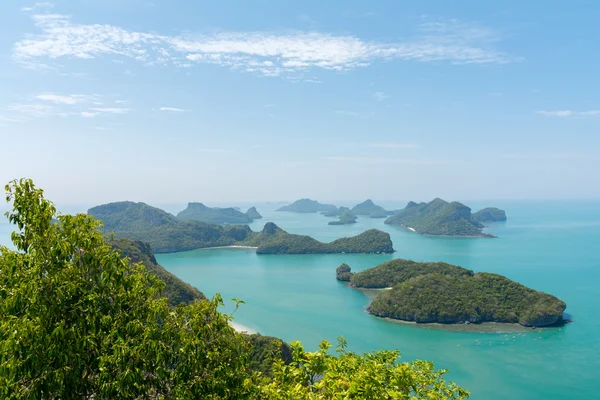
[36, 110]
[4, 118]
[569, 113]
[354, 114]
[110, 110]
[213, 150]
[380, 96]
[38, 6]
[395, 145]
[266, 53]
[69, 99]
[87, 114]
[172, 109]
[380, 160]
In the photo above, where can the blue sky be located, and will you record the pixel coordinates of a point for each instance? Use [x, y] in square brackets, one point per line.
[175, 101]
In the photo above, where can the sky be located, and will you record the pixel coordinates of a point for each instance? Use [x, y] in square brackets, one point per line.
[176, 101]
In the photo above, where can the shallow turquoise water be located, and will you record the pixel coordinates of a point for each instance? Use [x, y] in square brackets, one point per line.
[550, 246]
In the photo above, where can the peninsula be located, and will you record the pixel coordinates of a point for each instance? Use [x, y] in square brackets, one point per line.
[439, 218]
[308, 206]
[436, 292]
[165, 233]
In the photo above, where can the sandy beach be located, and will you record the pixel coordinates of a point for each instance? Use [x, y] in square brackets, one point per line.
[241, 328]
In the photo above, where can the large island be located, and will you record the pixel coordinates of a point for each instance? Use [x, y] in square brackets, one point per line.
[166, 233]
[441, 218]
[426, 292]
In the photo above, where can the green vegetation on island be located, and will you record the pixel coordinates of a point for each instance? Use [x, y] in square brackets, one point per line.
[336, 213]
[343, 273]
[438, 218]
[345, 219]
[176, 290]
[443, 293]
[370, 209]
[308, 206]
[253, 214]
[210, 215]
[165, 233]
[77, 321]
[490, 214]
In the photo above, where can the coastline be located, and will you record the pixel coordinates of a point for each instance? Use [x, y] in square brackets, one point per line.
[239, 328]
[482, 236]
[483, 327]
[228, 247]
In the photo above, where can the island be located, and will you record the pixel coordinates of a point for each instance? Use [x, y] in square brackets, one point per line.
[439, 218]
[202, 213]
[166, 233]
[336, 213]
[437, 292]
[490, 214]
[253, 214]
[370, 209]
[308, 206]
[346, 218]
[343, 273]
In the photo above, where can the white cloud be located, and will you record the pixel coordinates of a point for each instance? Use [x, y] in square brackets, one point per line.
[111, 110]
[380, 96]
[4, 118]
[69, 99]
[569, 113]
[36, 110]
[267, 53]
[213, 150]
[172, 109]
[395, 145]
[87, 114]
[541, 156]
[354, 114]
[37, 6]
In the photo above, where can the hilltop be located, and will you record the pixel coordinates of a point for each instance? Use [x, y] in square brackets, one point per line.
[438, 217]
[308, 206]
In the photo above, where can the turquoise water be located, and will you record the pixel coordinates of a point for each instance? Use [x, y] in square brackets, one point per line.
[550, 246]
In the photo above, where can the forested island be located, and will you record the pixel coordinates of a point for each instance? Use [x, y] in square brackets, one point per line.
[370, 209]
[215, 215]
[308, 206]
[441, 218]
[490, 214]
[346, 218]
[166, 233]
[427, 292]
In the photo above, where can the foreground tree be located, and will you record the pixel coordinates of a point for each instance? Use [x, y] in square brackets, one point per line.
[79, 321]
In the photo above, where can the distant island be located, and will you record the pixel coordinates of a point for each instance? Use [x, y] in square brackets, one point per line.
[346, 218]
[370, 209]
[202, 213]
[337, 212]
[308, 206]
[440, 218]
[490, 214]
[165, 233]
[436, 292]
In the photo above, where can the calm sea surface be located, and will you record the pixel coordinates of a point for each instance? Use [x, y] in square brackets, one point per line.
[550, 246]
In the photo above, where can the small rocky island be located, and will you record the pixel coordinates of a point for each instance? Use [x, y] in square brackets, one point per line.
[490, 214]
[346, 218]
[436, 292]
[441, 218]
[308, 206]
[215, 215]
[166, 233]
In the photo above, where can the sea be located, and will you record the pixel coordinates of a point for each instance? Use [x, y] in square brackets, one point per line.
[551, 246]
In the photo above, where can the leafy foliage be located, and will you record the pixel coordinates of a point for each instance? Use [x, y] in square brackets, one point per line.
[77, 320]
[438, 217]
[392, 272]
[378, 375]
[490, 214]
[176, 291]
[444, 293]
[308, 206]
[202, 213]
